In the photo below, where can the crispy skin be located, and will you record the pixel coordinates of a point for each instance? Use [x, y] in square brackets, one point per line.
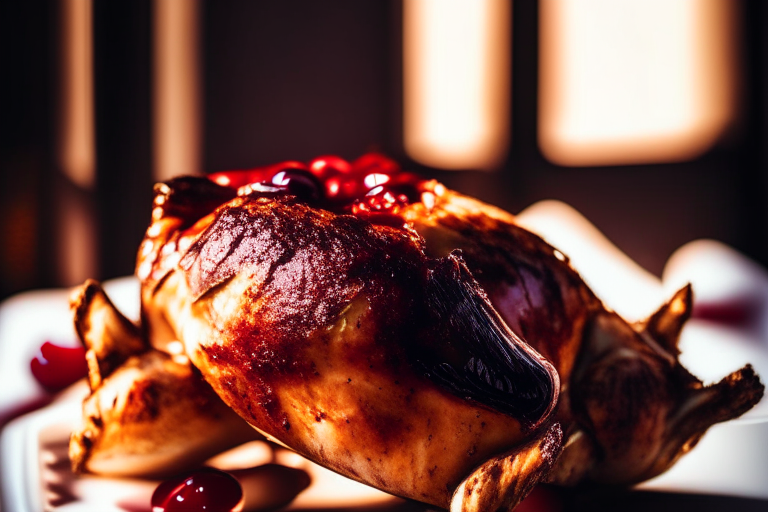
[341, 340]
[148, 413]
[500, 482]
[627, 405]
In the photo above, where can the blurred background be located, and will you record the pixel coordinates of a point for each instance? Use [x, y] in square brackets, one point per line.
[648, 116]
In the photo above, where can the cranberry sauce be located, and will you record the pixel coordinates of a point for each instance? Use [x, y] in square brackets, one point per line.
[372, 187]
[204, 490]
[57, 367]
[738, 312]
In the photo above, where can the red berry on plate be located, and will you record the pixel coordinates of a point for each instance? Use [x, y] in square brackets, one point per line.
[56, 367]
[204, 490]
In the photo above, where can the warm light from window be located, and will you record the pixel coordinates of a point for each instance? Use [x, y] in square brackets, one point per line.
[456, 66]
[176, 106]
[634, 81]
[77, 153]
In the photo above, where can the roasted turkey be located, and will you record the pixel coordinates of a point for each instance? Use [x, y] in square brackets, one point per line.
[413, 338]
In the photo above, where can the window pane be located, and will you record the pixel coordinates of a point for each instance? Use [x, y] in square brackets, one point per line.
[634, 81]
[456, 77]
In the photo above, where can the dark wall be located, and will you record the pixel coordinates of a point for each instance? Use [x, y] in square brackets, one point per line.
[26, 39]
[299, 78]
[296, 79]
[122, 60]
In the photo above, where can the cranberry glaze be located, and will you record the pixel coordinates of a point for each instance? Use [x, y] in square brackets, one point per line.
[372, 187]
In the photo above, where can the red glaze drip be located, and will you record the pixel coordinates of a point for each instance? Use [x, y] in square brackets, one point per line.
[204, 490]
[736, 312]
[372, 187]
[57, 367]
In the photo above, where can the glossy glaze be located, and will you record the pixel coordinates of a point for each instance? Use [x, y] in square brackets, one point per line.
[369, 185]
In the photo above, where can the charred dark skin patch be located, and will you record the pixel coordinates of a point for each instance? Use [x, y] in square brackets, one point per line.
[506, 258]
[480, 358]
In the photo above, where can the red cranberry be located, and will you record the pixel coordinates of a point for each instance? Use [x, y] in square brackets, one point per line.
[380, 199]
[237, 179]
[57, 367]
[204, 490]
[344, 189]
[375, 163]
[328, 166]
[299, 183]
[543, 498]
